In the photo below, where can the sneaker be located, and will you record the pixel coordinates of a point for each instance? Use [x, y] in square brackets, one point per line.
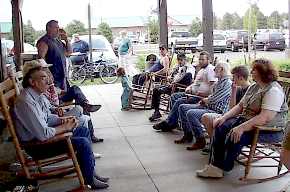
[156, 115]
[97, 184]
[97, 155]
[210, 171]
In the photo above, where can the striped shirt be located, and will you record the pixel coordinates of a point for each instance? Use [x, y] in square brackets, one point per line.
[219, 99]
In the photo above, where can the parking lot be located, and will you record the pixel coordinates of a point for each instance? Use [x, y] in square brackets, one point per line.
[274, 54]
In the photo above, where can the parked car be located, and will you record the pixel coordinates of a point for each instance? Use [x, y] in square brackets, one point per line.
[182, 39]
[269, 40]
[100, 45]
[237, 40]
[219, 42]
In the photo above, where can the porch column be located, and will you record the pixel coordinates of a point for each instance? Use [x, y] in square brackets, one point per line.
[207, 26]
[17, 32]
[3, 73]
[162, 17]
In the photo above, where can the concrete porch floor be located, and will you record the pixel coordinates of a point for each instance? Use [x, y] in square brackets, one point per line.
[139, 159]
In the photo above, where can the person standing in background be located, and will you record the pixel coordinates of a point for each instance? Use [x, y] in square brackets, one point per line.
[124, 50]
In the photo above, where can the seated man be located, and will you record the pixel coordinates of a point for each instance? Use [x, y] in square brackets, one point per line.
[33, 122]
[239, 87]
[183, 74]
[74, 93]
[264, 104]
[201, 87]
[217, 102]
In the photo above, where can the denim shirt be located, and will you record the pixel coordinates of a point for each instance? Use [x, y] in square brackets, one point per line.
[32, 117]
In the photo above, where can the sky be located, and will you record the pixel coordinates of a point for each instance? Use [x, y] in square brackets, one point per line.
[40, 11]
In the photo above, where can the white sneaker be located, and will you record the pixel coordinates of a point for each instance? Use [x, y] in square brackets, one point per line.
[210, 171]
[97, 155]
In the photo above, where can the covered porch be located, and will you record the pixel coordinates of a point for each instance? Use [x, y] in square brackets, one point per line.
[137, 158]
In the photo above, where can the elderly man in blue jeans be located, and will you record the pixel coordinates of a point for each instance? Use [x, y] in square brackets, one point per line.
[33, 122]
[190, 114]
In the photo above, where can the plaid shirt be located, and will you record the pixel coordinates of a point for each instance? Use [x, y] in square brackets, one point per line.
[219, 99]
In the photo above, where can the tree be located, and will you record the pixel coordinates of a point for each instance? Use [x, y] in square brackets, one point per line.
[215, 21]
[275, 20]
[153, 27]
[228, 21]
[105, 29]
[196, 27]
[251, 19]
[29, 33]
[261, 20]
[237, 21]
[75, 27]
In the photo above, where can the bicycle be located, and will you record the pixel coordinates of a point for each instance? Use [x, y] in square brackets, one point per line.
[78, 74]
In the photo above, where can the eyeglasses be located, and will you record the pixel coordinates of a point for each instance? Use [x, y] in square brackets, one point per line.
[161, 48]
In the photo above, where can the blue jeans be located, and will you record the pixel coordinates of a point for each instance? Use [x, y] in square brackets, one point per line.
[81, 141]
[225, 151]
[190, 115]
[176, 100]
[74, 93]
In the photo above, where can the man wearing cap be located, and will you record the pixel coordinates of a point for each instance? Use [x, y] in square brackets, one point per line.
[54, 51]
[34, 122]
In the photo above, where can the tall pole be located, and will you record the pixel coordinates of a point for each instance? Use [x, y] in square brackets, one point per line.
[162, 17]
[249, 32]
[207, 26]
[90, 32]
[289, 24]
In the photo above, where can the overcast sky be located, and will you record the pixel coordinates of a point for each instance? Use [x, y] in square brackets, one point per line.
[40, 11]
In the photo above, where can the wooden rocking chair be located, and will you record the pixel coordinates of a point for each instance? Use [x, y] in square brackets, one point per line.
[8, 94]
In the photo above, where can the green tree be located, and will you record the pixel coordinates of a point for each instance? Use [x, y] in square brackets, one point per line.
[196, 27]
[261, 20]
[228, 21]
[75, 27]
[153, 27]
[237, 21]
[274, 20]
[251, 18]
[29, 33]
[105, 29]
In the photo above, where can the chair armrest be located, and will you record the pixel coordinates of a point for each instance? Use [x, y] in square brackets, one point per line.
[67, 103]
[264, 128]
[192, 95]
[56, 138]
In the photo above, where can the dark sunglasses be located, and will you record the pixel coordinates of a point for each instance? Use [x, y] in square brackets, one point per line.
[161, 48]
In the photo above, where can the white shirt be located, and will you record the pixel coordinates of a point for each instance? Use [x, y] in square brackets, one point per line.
[202, 81]
[273, 99]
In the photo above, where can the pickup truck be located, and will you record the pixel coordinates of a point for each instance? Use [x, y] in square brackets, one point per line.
[182, 40]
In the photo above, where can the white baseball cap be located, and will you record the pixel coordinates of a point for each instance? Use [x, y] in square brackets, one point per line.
[28, 66]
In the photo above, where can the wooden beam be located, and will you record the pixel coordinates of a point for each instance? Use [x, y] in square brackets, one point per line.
[17, 32]
[207, 26]
[163, 27]
[3, 73]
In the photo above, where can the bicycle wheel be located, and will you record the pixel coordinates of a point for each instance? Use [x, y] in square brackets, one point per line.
[77, 76]
[108, 74]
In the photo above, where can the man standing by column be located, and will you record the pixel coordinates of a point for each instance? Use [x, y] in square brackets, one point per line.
[53, 51]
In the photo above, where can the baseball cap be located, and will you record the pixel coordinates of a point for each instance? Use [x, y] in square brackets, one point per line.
[28, 66]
